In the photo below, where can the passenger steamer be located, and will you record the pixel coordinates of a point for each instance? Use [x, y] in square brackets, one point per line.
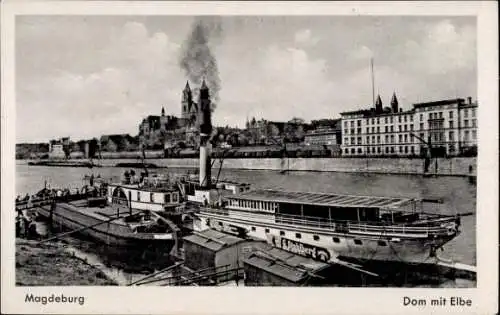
[331, 226]
[322, 226]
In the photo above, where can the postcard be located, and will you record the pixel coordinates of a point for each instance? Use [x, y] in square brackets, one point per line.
[249, 157]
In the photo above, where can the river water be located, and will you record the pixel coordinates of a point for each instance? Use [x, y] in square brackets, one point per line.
[457, 193]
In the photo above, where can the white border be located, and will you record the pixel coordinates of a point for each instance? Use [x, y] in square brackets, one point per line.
[265, 300]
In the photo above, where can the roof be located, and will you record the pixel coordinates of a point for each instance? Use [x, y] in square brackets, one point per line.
[323, 199]
[439, 103]
[213, 240]
[284, 264]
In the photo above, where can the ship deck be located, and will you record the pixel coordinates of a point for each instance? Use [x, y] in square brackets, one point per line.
[324, 199]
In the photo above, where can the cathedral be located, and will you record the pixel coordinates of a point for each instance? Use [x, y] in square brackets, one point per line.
[190, 119]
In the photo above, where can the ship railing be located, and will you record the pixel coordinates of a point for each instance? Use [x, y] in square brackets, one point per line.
[344, 226]
[423, 231]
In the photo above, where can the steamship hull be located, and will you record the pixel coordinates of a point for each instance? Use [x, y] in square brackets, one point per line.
[115, 233]
[327, 245]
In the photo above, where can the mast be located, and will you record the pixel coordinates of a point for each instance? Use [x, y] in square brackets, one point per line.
[373, 81]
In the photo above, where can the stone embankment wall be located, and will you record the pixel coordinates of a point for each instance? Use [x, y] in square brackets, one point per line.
[445, 166]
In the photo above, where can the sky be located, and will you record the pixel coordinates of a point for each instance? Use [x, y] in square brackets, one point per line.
[85, 76]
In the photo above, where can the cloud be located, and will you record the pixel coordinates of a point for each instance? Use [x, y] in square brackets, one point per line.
[141, 76]
[305, 37]
[443, 48]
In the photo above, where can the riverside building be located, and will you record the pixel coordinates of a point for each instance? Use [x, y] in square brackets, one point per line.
[449, 126]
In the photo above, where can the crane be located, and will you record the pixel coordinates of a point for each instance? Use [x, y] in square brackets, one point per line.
[428, 155]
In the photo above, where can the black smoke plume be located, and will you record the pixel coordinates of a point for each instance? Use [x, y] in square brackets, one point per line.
[197, 59]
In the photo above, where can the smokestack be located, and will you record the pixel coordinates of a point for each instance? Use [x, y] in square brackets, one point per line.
[205, 123]
[469, 99]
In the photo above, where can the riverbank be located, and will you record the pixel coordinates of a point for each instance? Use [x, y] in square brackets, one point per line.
[456, 166]
[51, 264]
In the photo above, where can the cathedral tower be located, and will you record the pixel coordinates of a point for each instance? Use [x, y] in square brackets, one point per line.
[187, 102]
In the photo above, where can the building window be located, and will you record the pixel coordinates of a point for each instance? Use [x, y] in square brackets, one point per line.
[316, 237]
[381, 243]
[430, 115]
[473, 123]
[368, 140]
[336, 239]
[359, 130]
[421, 116]
[378, 139]
[386, 129]
[451, 136]
[386, 139]
[360, 151]
[345, 125]
[440, 114]
[386, 149]
[466, 136]
[138, 196]
[451, 114]
[411, 117]
[399, 128]
[282, 233]
[367, 130]
[378, 129]
[406, 138]
[404, 118]
[359, 140]
[358, 242]
[392, 149]
[378, 120]
[346, 140]
[392, 128]
[385, 120]
[473, 112]
[406, 128]
[392, 138]
[400, 138]
[412, 149]
[373, 129]
[451, 124]
[390, 119]
[379, 150]
[466, 123]
[152, 197]
[352, 123]
[474, 135]
[253, 228]
[297, 235]
[466, 113]
[406, 149]
[166, 198]
[373, 121]
[421, 126]
[411, 127]
[353, 151]
[267, 230]
[359, 122]
[346, 151]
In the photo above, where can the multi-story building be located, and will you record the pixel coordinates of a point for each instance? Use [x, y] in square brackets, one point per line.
[450, 126]
[392, 131]
[321, 136]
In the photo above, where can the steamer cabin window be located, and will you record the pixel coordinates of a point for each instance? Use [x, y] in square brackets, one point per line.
[315, 212]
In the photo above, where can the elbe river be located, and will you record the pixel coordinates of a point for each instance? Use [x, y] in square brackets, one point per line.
[457, 193]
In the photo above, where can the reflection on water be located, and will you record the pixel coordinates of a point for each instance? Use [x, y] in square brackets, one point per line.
[458, 194]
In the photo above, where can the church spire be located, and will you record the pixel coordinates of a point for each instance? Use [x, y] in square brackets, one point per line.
[378, 104]
[394, 103]
[203, 85]
[187, 88]
[163, 111]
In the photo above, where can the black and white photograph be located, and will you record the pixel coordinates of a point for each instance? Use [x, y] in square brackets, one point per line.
[173, 148]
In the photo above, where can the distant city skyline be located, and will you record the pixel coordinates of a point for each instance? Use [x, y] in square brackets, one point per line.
[84, 76]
